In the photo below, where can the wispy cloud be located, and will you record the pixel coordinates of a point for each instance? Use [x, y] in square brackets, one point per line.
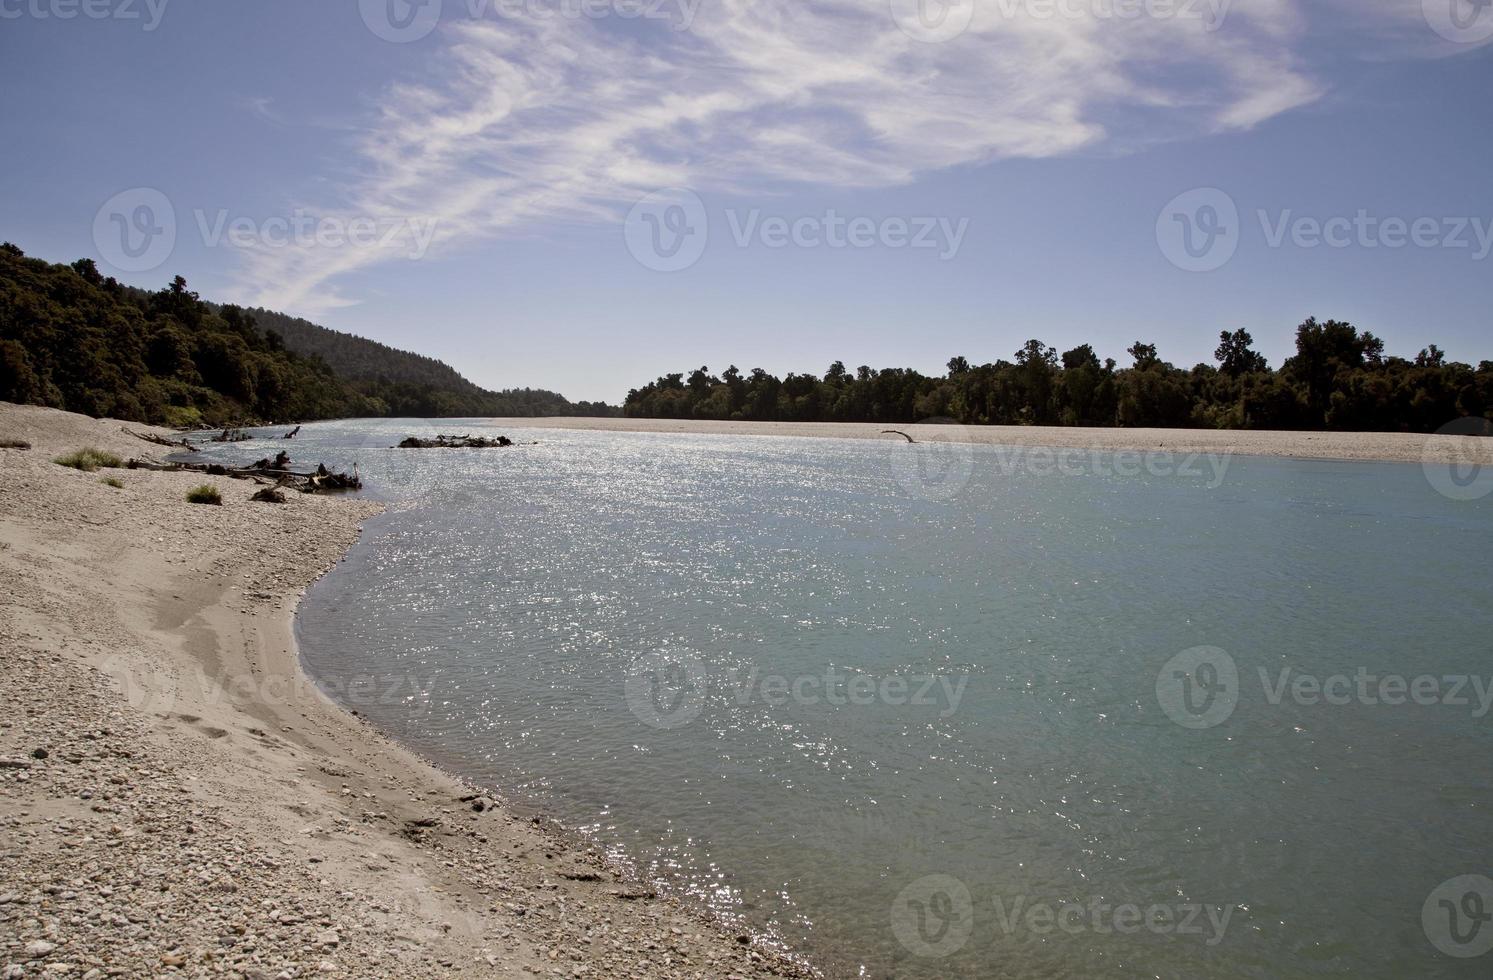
[518, 121]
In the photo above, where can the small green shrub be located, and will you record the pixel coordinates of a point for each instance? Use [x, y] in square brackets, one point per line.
[205, 494]
[89, 460]
[113, 481]
[179, 417]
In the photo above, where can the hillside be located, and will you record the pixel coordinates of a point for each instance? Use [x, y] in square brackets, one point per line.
[74, 339]
[412, 384]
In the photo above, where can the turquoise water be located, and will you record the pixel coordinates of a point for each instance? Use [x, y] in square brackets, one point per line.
[612, 627]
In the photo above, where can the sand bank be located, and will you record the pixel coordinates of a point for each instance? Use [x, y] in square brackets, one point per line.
[1398, 447]
[176, 798]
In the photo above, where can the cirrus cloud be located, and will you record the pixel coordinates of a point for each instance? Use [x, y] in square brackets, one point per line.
[517, 121]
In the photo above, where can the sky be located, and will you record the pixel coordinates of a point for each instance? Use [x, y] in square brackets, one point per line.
[583, 195]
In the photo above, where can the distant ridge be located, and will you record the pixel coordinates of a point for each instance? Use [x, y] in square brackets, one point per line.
[413, 384]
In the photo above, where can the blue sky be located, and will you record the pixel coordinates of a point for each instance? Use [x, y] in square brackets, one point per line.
[555, 195]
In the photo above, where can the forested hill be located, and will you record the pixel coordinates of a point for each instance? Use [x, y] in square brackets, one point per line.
[412, 384]
[1339, 378]
[74, 339]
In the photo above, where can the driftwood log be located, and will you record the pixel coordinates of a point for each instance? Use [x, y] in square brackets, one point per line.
[159, 440]
[898, 432]
[455, 442]
[317, 481]
[232, 435]
[292, 433]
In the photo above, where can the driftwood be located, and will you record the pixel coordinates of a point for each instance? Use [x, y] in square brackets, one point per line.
[280, 462]
[898, 432]
[455, 442]
[292, 433]
[268, 495]
[232, 435]
[319, 480]
[159, 440]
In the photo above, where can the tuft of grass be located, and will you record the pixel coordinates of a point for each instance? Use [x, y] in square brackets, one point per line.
[205, 494]
[89, 460]
[14, 444]
[112, 481]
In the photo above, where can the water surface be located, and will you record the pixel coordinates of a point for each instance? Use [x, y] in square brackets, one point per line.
[594, 624]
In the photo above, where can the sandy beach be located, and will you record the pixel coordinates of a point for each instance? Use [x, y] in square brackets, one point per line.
[1396, 447]
[176, 797]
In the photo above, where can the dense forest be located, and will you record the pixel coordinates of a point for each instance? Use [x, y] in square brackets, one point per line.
[73, 339]
[1339, 378]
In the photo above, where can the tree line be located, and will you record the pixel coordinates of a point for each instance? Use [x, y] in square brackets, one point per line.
[74, 339]
[1339, 378]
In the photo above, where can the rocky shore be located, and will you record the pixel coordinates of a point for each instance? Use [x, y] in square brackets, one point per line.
[176, 799]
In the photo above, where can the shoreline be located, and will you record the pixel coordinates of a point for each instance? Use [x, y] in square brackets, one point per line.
[1385, 447]
[178, 793]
